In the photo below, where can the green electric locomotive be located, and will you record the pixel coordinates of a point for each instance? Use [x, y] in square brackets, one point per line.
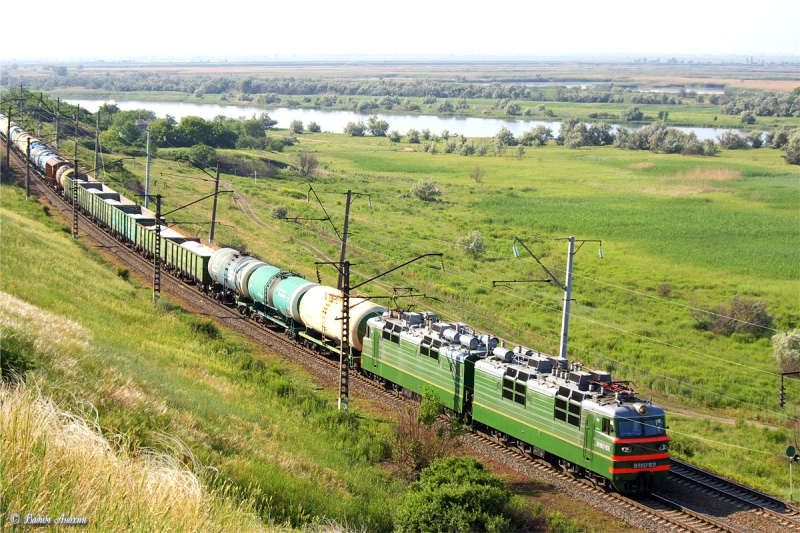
[581, 421]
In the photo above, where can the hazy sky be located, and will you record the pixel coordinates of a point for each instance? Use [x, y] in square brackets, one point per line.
[248, 28]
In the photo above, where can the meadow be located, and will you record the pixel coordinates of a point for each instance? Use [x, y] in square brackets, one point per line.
[681, 235]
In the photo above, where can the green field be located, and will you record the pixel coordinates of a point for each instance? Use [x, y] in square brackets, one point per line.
[679, 233]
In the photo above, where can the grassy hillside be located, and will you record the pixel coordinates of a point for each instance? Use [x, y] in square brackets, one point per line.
[681, 235]
[150, 376]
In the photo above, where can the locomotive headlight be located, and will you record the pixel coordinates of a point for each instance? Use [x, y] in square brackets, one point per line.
[626, 449]
[663, 447]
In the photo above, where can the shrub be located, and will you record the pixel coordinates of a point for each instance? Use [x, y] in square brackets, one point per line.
[786, 349]
[394, 136]
[454, 494]
[792, 148]
[472, 243]
[425, 189]
[355, 129]
[279, 212]
[417, 444]
[742, 315]
[308, 164]
[313, 127]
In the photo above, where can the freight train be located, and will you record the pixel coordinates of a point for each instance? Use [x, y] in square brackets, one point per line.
[546, 406]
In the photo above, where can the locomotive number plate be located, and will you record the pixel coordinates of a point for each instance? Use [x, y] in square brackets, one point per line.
[650, 464]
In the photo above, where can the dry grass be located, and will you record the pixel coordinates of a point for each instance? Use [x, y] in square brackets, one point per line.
[642, 166]
[710, 174]
[51, 334]
[54, 461]
[684, 190]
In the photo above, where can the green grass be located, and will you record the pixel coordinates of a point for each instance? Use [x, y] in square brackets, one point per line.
[152, 372]
[705, 228]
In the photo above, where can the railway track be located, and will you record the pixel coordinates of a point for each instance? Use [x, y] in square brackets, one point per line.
[662, 514]
[784, 516]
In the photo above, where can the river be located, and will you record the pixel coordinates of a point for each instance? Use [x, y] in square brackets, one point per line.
[335, 120]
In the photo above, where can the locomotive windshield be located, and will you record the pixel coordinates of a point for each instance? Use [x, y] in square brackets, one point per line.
[646, 427]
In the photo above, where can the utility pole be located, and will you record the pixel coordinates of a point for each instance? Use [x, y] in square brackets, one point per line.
[8, 143]
[28, 171]
[340, 285]
[97, 147]
[157, 259]
[344, 354]
[75, 200]
[255, 177]
[214, 209]
[147, 173]
[567, 299]
[58, 115]
[77, 120]
[567, 286]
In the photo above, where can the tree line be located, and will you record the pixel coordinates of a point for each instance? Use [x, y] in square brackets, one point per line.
[271, 90]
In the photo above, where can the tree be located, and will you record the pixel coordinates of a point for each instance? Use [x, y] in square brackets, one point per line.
[792, 148]
[425, 189]
[266, 121]
[308, 164]
[445, 134]
[747, 117]
[755, 139]
[477, 174]
[520, 151]
[296, 126]
[537, 136]
[426, 134]
[472, 243]
[355, 129]
[632, 113]
[253, 128]
[376, 127]
[203, 155]
[732, 141]
[786, 349]
[313, 127]
[413, 136]
[505, 137]
[513, 108]
[395, 136]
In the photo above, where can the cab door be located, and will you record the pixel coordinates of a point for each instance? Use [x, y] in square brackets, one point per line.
[588, 437]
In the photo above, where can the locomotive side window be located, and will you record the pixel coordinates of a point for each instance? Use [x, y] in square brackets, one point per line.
[513, 390]
[608, 427]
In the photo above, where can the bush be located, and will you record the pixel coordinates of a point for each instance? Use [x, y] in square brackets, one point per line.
[454, 494]
[786, 349]
[425, 189]
[203, 155]
[279, 212]
[742, 315]
[472, 243]
[792, 148]
[355, 129]
[313, 127]
[394, 136]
